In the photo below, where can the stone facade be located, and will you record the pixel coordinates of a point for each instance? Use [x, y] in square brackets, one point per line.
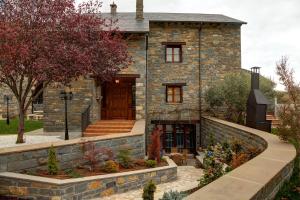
[210, 50]
[87, 92]
[219, 49]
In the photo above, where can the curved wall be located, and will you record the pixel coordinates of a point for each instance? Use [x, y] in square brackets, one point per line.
[259, 178]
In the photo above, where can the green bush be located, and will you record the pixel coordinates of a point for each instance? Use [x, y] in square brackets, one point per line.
[124, 158]
[148, 192]
[151, 163]
[214, 171]
[110, 166]
[172, 195]
[52, 161]
[229, 95]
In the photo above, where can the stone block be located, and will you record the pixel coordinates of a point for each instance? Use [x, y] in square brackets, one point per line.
[107, 192]
[18, 191]
[94, 185]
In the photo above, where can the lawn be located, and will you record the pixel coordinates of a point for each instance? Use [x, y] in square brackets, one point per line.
[30, 125]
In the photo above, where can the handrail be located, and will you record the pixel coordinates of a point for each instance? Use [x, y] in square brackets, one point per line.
[85, 118]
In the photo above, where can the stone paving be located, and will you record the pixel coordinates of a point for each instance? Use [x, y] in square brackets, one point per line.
[10, 140]
[187, 179]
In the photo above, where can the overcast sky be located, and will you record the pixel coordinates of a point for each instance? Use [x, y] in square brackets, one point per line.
[273, 28]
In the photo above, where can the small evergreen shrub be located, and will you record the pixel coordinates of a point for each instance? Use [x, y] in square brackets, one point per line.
[52, 161]
[151, 163]
[172, 195]
[214, 171]
[148, 192]
[111, 166]
[124, 158]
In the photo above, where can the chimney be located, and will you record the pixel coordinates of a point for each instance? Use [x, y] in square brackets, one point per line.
[113, 8]
[139, 10]
[255, 78]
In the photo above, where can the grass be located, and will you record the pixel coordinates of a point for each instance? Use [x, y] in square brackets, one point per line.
[30, 125]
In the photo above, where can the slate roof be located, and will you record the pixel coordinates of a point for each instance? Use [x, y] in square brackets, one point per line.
[128, 23]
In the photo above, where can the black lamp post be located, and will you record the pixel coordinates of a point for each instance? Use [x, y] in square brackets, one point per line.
[66, 96]
[7, 98]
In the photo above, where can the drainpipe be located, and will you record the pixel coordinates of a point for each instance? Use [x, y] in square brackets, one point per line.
[200, 85]
[146, 95]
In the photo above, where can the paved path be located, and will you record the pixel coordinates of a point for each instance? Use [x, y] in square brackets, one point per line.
[187, 179]
[10, 140]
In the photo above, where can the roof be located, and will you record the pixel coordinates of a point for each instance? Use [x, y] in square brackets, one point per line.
[127, 21]
[260, 98]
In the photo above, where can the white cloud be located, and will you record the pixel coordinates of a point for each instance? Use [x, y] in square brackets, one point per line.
[272, 31]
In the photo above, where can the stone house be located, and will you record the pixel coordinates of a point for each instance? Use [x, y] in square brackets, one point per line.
[175, 58]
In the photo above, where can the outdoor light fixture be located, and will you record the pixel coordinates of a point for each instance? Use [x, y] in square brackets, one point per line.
[7, 98]
[66, 96]
[117, 81]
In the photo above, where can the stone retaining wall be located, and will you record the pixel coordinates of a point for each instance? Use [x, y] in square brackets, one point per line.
[69, 153]
[40, 188]
[259, 178]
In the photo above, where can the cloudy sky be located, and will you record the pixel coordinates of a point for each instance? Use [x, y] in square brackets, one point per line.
[273, 28]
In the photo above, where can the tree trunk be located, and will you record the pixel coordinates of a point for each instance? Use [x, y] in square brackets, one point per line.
[21, 127]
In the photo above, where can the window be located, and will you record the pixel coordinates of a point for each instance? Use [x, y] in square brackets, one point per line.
[173, 53]
[174, 94]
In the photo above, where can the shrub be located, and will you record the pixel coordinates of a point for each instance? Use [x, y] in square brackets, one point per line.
[239, 159]
[229, 95]
[155, 147]
[52, 161]
[124, 158]
[94, 155]
[214, 171]
[111, 166]
[148, 191]
[236, 146]
[151, 163]
[172, 195]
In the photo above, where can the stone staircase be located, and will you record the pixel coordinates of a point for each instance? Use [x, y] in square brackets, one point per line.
[275, 121]
[108, 127]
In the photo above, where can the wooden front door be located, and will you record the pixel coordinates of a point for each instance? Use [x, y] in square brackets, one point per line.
[117, 102]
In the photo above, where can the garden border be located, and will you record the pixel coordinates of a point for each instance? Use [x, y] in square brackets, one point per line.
[259, 178]
[35, 187]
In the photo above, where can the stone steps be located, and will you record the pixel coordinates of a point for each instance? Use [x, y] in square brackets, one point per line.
[107, 127]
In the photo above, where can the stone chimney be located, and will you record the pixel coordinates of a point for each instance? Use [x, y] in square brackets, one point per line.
[113, 8]
[139, 10]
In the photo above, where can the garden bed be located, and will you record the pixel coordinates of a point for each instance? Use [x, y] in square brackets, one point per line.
[85, 171]
[25, 186]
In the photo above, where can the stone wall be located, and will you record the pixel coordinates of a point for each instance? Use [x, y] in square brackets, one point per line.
[217, 45]
[83, 95]
[69, 153]
[257, 179]
[38, 188]
[13, 104]
[220, 52]
[137, 50]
